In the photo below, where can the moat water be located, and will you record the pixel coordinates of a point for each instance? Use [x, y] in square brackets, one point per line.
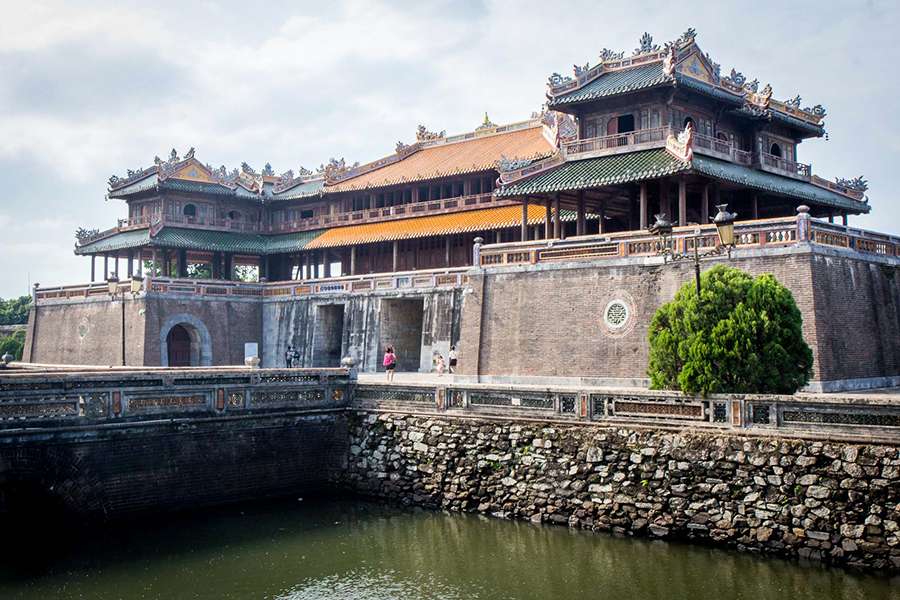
[341, 549]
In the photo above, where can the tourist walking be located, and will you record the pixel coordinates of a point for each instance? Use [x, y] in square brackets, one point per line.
[440, 366]
[453, 356]
[289, 357]
[390, 363]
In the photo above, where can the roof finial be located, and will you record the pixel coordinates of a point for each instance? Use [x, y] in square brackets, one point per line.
[486, 124]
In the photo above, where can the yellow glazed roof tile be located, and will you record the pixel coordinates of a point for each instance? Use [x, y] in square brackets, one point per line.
[453, 158]
[419, 227]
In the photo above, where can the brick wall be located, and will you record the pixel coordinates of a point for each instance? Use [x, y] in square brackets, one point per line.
[541, 321]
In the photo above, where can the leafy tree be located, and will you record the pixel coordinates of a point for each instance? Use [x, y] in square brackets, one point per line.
[15, 310]
[744, 336]
[13, 344]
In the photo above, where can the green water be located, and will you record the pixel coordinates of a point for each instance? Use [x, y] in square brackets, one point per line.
[356, 550]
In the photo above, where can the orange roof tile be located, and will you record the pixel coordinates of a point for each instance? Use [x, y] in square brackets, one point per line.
[419, 227]
[445, 159]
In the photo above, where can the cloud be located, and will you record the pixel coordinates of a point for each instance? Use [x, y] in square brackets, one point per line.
[93, 88]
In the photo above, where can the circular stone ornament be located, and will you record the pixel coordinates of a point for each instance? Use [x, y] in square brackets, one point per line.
[616, 314]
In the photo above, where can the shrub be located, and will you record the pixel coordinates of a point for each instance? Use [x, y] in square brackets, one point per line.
[744, 336]
[13, 344]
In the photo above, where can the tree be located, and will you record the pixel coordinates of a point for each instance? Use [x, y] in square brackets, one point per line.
[744, 336]
[13, 344]
[15, 310]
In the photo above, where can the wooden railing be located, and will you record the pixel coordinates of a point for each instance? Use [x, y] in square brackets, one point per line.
[777, 164]
[388, 213]
[724, 149]
[619, 142]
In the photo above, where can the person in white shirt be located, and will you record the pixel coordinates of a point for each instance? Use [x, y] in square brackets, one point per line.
[453, 356]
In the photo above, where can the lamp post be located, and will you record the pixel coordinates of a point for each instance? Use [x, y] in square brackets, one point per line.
[724, 222]
[116, 290]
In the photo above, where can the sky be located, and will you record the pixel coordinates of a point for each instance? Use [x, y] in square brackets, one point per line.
[90, 89]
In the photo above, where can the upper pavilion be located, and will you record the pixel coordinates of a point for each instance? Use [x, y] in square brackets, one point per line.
[660, 131]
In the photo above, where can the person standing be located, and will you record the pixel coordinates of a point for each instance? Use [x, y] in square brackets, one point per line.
[390, 363]
[453, 356]
[296, 358]
[289, 356]
[439, 367]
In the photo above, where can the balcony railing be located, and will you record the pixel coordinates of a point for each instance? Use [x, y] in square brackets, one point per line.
[783, 166]
[387, 213]
[724, 149]
[617, 143]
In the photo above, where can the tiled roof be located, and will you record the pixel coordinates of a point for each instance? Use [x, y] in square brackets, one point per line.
[117, 241]
[204, 239]
[595, 172]
[616, 82]
[419, 227]
[453, 158]
[712, 91]
[184, 185]
[776, 184]
[302, 190]
[290, 242]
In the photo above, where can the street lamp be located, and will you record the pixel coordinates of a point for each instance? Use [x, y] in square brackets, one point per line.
[116, 290]
[724, 222]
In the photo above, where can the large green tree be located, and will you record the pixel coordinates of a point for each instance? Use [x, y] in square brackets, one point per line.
[15, 310]
[742, 335]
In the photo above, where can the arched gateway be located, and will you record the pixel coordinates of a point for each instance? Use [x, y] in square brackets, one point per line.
[184, 341]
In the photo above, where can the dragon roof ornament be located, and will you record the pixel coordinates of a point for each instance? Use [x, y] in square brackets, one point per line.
[336, 169]
[423, 135]
[289, 179]
[855, 184]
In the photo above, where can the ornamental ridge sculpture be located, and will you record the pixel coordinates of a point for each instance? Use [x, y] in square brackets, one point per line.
[646, 45]
[668, 64]
[423, 135]
[856, 184]
[336, 169]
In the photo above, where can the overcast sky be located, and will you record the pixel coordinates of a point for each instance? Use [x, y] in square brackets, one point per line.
[88, 89]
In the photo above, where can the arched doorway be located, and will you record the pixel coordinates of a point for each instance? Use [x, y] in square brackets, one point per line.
[190, 210]
[178, 343]
[181, 328]
[775, 150]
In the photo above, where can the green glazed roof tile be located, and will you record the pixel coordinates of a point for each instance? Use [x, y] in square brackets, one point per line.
[616, 82]
[596, 172]
[117, 241]
[303, 190]
[290, 242]
[698, 85]
[776, 184]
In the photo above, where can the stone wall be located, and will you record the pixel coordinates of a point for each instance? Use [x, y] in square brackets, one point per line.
[834, 502]
[424, 321]
[86, 333]
[115, 472]
[539, 322]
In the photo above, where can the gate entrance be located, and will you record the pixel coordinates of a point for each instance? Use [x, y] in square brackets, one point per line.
[178, 343]
[401, 327]
[329, 335]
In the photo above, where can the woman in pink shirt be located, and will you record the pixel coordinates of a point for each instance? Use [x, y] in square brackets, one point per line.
[390, 362]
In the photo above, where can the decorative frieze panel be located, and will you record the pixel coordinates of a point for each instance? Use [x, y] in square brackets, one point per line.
[187, 402]
[284, 397]
[392, 394]
[813, 416]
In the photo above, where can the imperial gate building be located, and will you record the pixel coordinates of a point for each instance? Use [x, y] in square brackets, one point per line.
[530, 233]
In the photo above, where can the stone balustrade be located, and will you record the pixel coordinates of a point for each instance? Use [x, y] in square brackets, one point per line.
[872, 416]
[54, 396]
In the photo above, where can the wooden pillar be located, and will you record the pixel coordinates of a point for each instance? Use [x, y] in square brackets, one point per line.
[643, 208]
[755, 206]
[831, 217]
[93, 268]
[105, 266]
[228, 267]
[664, 198]
[326, 263]
[844, 219]
[579, 223]
[499, 236]
[154, 268]
[353, 260]
[130, 265]
[467, 187]
[182, 263]
[524, 235]
[448, 245]
[140, 262]
[682, 202]
[557, 222]
[548, 221]
[704, 205]
[396, 258]
[602, 214]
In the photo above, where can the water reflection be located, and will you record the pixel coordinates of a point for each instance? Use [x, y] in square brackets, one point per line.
[330, 549]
